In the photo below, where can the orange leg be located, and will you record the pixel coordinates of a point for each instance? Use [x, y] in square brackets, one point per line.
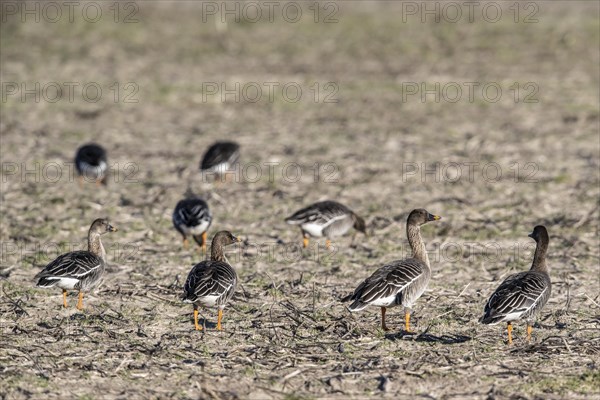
[220, 316]
[529, 330]
[327, 244]
[407, 321]
[80, 301]
[204, 243]
[186, 243]
[383, 325]
[305, 242]
[64, 298]
[198, 327]
[509, 329]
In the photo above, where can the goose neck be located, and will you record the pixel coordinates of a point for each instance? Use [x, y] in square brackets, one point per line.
[413, 232]
[216, 252]
[95, 245]
[539, 257]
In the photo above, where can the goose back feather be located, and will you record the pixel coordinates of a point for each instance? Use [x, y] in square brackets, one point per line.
[210, 283]
[192, 216]
[520, 296]
[220, 157]
[75, 270]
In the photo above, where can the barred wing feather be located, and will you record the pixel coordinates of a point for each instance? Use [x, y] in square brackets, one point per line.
[519, 295]
[74, 265]
[210, 279]
[388, 281]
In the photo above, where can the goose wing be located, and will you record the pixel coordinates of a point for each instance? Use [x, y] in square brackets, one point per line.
[518, 294]
[91, 154]
[210, 279]
[74, 265]
[387, 282]
[321, 213]
[191, 212]
[220, 152]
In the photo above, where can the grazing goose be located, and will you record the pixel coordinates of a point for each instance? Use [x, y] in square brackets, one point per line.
[192, 217]
[78, 270]
[220, 158]
[400, 282]
[522, 295]
[326, 218]
[212, 282]
[91, 164]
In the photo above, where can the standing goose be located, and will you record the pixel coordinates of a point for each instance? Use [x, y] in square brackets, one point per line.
[78, 270]
[212, 282]
[401, 282]
[522, 295]
[220, 158]
[192, 217]
[91, 164]
[326, 218]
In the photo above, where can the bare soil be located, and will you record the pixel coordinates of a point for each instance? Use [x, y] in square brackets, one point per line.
[286, 335]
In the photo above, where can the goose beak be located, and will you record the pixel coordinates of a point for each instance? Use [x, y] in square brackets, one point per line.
[236, 239]
[432, 217]
[531, 235]
[111, 228]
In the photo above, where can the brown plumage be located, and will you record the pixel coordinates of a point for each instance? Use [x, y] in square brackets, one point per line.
[78, 270]
[522, 295]
[400, 282]
[326, 218]
[212, 282]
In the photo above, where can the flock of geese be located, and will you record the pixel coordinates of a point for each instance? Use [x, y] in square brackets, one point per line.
[213, 282]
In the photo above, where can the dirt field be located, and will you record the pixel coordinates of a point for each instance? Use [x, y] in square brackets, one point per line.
[385, 122]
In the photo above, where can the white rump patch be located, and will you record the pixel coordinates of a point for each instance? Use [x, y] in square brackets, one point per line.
[196, 230]
[384, 302]
[64, 283]
[314, 230]
[512, 316]
[208, 301]
[221, 168]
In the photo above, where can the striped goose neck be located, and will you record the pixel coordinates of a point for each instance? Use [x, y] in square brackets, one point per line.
[539, 257]
[216, 252]
[95, 245]
[413, 232]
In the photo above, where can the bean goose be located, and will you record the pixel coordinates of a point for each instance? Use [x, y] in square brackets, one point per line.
[212, 282]
[192, 217]
[220, 158]
[78, 270]
[522, 295]
[326, 218]
[400, 282]
[91, 163]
